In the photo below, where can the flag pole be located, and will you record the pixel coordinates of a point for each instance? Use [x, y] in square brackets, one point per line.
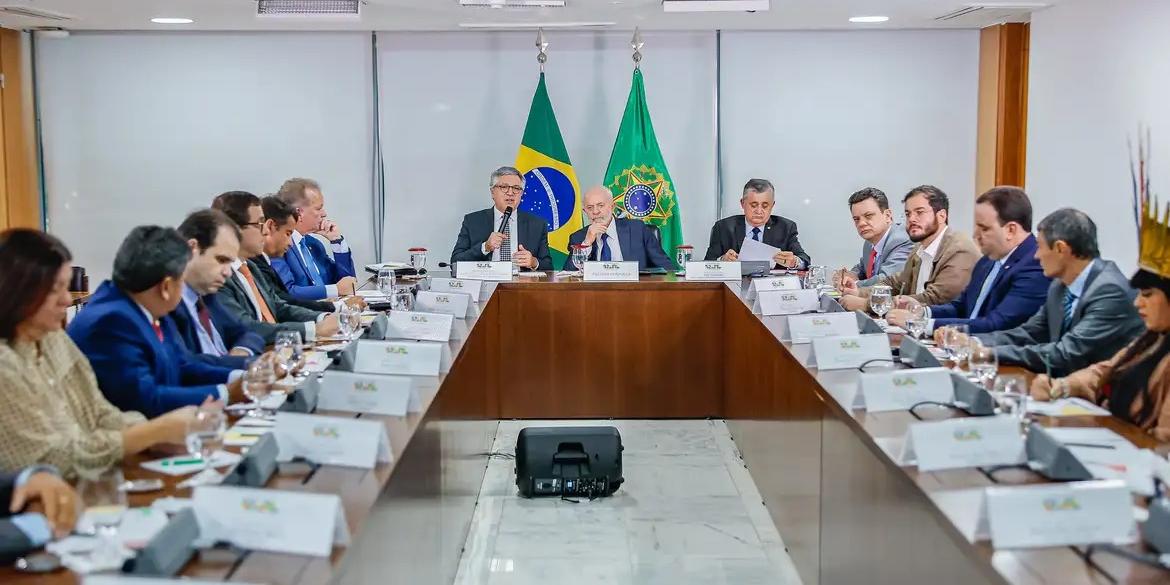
[542, 47]
[636, 44]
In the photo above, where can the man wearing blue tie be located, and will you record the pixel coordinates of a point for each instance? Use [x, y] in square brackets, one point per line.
[306, 269]
[613, 239]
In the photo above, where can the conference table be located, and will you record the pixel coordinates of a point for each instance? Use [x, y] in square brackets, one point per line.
[555, 347]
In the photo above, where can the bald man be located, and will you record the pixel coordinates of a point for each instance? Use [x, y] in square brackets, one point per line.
[613, 239]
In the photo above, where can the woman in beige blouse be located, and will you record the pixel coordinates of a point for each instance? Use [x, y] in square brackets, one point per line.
[1135, 383]
[53, 411]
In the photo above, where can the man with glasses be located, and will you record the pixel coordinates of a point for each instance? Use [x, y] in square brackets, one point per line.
[307, 270]
[522, 240]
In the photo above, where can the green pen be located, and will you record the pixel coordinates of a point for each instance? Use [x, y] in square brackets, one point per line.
[171, 462]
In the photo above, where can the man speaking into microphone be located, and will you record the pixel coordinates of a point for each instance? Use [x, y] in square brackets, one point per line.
[503, 233]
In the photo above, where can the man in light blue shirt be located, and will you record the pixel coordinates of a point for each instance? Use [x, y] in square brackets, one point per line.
[56, 510]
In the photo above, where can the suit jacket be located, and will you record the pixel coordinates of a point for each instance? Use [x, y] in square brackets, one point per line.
[288, 317]
[1018, 292]
[477, 226]
[295, 274]
[956, 257]
[234, 334]
[895, 250]
[1103, 322]
[637, 241]
[729, 232]
[134, 369]
[272, 279]
[13, 542]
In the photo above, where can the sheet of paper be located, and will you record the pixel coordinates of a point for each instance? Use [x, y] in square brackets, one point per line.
[184, 464]
[753, 251]
[1066, 407]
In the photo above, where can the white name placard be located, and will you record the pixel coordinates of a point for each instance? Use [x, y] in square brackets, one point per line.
[299, 523]
[786, 302]
[327, 440]
[844, 353]
[713, 270]
[457, 305]
[804, 328]
[388, 395]
[901, 389]
[421, 326]
[1057, 514]
[964, 442]
[458, 285]
[611, 272]
[496, 271]
[407, 358]
[776, 283]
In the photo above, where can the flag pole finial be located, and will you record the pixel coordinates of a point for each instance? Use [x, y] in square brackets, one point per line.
[542, 47]
[636, 44]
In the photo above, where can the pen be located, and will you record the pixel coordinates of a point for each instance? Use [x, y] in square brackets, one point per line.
[171, 462]
[1090, 445]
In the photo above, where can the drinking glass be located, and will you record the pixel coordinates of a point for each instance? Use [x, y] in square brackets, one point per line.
[418, 258]
[205, 436]
[349, 320]
[983, 363]
[105, 504]
[580, 256]
[958, 344]
[881, 301]
[918, 320]
[386, 281]
[257, 384]
[818, 277]
[682, 256]
[288, 348]
[1011, 393]
[403, 299]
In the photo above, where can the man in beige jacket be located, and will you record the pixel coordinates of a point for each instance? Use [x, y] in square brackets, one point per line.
[940, 264]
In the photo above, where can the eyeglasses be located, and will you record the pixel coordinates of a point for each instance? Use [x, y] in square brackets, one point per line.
[513, 189]
[256, 224]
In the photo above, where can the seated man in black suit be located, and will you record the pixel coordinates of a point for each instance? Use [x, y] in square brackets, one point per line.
[35, 506]
[523, 241]
[758, 223]
[614, 239]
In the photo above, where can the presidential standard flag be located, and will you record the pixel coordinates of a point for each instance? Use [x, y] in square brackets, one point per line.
[550, 186]
[637, 175]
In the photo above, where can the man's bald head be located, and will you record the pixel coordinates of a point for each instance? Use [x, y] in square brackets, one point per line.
[598, 204]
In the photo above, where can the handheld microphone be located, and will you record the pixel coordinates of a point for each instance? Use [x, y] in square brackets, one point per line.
[504, 220]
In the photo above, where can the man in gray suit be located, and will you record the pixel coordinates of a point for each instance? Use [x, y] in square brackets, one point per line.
[887, 245]
[1088, 315]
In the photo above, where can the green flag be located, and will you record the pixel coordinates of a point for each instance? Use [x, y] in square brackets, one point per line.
[637, 175]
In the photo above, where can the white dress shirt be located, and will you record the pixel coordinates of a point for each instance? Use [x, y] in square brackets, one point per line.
[928, 255]
[310, 326]
[497, 216]
[615, 248]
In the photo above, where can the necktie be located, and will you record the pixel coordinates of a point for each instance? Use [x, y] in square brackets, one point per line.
[157, 330]
[606, 253]
[310, 265]
[872, 261]
[1069, 299]
[265, 313]
[985, 290]
[506, 247]
[756, 234]
[204, 316]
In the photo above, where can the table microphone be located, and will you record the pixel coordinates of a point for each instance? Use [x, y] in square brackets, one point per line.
[504, 220]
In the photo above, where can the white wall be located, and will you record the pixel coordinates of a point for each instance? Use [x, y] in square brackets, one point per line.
[823, 114]
[1098, 71]
[142, 128]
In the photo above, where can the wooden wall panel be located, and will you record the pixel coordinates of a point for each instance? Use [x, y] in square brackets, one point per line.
[1003, 106]
[20, 190]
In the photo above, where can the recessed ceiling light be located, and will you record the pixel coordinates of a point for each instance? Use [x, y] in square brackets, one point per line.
[865, 19]
[169, 20]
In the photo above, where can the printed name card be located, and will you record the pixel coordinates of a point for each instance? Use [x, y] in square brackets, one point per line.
[298, 523]
[388, 395]
[421, 326]
[844, 353]
[458, 305]
[964, 442]
[786, 302]
[458, 285]
[759, 285]
[497, 271]
[406, 358]
[713, 271]
[611, 272]
[803, 328]
[902, 389]
[1057, 514]
[327, 440]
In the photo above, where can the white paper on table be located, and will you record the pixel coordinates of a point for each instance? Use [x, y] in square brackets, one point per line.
[753, 251]
[139, 525]
[1066, 407]
[218, 459]
[317, 361]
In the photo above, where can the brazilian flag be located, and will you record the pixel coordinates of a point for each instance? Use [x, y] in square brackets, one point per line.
[550, 185]
[637, 175]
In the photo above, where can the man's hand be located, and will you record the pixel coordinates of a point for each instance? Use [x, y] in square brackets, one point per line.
[940, 335]
[328, 327]
[904, 302]
[55, 497]
[494, 241]
[729, 256]
[786, 259]
[1041, 388]
[330, 230]
[595, 230]
[240, 352]
[347, 286]
[173, 425]
[356, 302]
[851, 290]
[854, 303]
[898, 317]
[524, 258]
[843, 278]
[236, 391]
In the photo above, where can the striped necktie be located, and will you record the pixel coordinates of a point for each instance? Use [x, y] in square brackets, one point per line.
[1069, 307]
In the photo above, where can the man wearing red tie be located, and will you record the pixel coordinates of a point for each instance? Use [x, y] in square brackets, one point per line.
[887, 245]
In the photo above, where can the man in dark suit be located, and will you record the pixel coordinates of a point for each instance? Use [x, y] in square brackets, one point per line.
[280, 221]
[757, 223]
[138, 362]
[613, 239]
[1007, 284]
[483, 236]
[1088, 315]
[307, 270]
[56, 507]
[204, 326]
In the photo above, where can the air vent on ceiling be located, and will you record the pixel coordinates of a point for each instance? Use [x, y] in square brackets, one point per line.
[30, 12]
[308, 7]
[513, 3]
[988, 13]
[715, 5]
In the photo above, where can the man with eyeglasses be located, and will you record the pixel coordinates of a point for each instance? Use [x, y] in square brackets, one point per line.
[484, 236]
[307, 270]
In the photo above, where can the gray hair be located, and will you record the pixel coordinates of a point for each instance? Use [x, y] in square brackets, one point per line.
[759, 186]
[294, 191]
[1073, 227]
[505, 172]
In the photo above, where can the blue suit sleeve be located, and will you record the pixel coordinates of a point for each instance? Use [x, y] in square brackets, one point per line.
[343, 265]
[1024, 298]
[654, 253]
[298, 291]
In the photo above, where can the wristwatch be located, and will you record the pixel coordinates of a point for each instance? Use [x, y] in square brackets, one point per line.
[1057, 389]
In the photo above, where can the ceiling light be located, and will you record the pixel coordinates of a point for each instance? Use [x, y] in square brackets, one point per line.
[869, 19]
[169, 20]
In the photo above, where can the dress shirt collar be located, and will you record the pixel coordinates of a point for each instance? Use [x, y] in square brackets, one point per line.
[932, 249]
[297, 237]
[747, 226]
[1077, 288]
[881, 243]
[189, 295]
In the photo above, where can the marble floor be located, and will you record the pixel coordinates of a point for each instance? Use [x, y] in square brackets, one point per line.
[688, 513]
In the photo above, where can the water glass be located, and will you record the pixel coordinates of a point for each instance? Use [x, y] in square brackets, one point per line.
[818, 277]
[105, 503]
[257, 383]
[418, 258]
[386, 279]
[919, 319]
[983, 363]
[403, 299]
[349, 320]
[205, 434]
[683, 255]
[955, 342]
[288, 348]
[1011, 393]
[580, 256]
[881, 301]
